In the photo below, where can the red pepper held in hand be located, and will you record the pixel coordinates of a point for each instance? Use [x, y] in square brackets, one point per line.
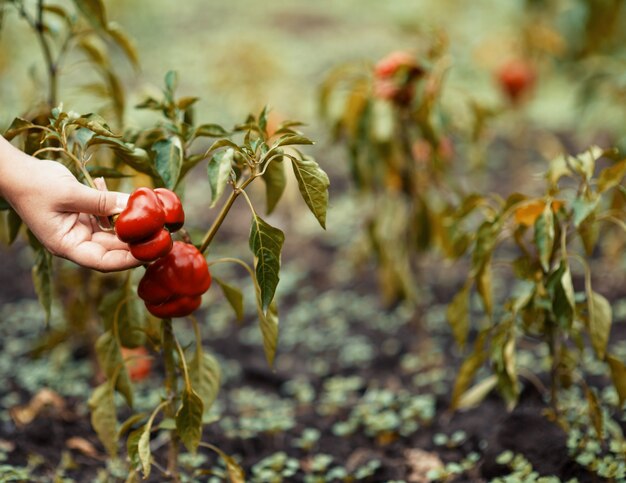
[142, 223]
[142, 218]
[173, 285]
[153, 248]
[173, 208]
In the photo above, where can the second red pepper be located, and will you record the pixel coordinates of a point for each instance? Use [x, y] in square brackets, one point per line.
[173, 285]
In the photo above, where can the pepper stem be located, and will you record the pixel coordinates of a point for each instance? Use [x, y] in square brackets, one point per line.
[212, 231]
[171, 386]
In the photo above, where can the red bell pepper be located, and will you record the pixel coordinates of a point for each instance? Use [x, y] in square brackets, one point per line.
[174, 214]
[153, 248]
[142, 218]
[173, 285]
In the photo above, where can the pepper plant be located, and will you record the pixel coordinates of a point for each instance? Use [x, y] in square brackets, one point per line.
[191, 379]
[163, 155]
[67, 34]
[551, 238]
[397, 135]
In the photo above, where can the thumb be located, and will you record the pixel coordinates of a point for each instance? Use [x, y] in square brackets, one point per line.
[94, 202]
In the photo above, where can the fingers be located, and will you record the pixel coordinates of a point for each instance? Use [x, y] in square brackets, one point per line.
[91, 254]
[109, 241]
[84, 199]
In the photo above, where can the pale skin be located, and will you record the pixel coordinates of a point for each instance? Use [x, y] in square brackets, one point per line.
[61, 212]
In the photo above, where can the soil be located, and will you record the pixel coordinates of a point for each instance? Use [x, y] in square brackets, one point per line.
[525, 430]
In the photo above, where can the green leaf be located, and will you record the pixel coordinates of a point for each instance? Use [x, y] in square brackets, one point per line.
[126, 310]
[83, 136]
[235, 472]
[458, 315]
[484, 287]
[263, 118]
[268, 322]
[234, 297]
[94, 12]
[112, 363]
[96, 124]
[205, 376]
[275, 182]
[469, 368]
[585, 162]
[266, 243]
[130, 422]
[171, 81]
[168, 160]
[383, 120]
[288, 125]
[599, 323]
[210, 131]
[186, 102]
[504, 363]
[143, 448]
[561, 290]
[135, 157]
[618, 375]
[132, 447]
[589, 233]
[219, 170]
[96, 53]
[313, 183]
[486, 239]
[221, 143]
[524, 294]
[103, 416]
[582, 207]
[17, 127]
[595, 412]
[14, 223]
[611, 176]
[558, 169]
[475, 395]
[568, 286]
[150, 103]
[42, 279]
[189, 420]
[123, 42]
[291, 140]
[544, 236]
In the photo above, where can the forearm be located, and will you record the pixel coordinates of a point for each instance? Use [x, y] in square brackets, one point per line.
[14, 168]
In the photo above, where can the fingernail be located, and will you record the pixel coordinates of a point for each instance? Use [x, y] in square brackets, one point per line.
[121, 201]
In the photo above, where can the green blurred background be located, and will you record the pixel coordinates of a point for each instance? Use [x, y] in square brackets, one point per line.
[242, 54]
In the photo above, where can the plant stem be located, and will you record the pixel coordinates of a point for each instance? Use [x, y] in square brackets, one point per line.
[171, 383]
[47, 52]
[52, 65]
[68, 153]
[212, 231]
[210, 234]
[553, 341]
[409, 173]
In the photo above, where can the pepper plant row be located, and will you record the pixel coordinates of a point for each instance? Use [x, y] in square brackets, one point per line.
[399, 139]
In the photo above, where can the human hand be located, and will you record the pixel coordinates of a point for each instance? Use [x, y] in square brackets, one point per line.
[58, 209]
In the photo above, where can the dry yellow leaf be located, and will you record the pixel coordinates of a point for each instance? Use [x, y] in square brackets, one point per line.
[528, 213]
